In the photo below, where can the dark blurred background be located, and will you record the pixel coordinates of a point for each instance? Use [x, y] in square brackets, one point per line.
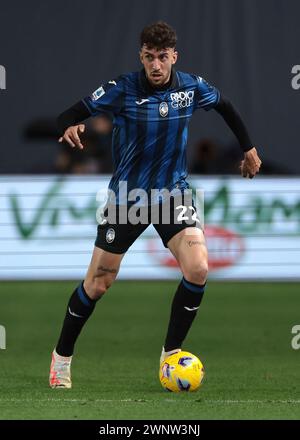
[56, 52]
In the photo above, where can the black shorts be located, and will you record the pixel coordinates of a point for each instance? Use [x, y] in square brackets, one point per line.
[115, 237]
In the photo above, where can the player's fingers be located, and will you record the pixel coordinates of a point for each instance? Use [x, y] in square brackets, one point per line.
[78, 144]
[257, 161]
[244, 170]
[69, 140]
[252, 174]
[75, 138]
[81, 129]
[252, 166]
[251, 162]
[256, 169]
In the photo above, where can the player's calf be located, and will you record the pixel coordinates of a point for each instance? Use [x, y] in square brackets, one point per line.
[79, 309]
[186, 302]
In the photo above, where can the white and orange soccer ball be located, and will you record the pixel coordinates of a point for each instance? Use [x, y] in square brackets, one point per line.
[182, 371]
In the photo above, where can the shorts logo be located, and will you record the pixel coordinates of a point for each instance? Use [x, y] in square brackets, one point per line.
[103, 222]
[110, 235]
[98, 93]
[163, 109]
[182, 99]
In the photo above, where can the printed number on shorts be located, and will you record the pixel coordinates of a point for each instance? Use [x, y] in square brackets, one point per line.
[181, 217]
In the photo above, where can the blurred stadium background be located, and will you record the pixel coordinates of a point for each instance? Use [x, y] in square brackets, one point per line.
[53, 54]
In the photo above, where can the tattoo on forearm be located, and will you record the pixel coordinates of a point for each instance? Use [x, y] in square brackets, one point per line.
[106, 269]
[191, 243]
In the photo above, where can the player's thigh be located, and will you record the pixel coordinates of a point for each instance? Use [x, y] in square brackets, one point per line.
[189, 248]
[102, 271]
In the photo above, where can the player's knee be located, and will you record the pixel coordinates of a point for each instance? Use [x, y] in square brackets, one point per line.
[196, 273]
[98, 286]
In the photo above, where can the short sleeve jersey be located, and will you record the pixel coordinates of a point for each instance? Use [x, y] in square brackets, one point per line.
[150, 127]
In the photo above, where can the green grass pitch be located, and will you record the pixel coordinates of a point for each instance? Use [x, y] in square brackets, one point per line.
[242, 334]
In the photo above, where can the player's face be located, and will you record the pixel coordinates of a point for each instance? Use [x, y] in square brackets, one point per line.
[158, 64]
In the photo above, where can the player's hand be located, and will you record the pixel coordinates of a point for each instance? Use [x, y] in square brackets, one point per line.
[71, 136]
[251, 164]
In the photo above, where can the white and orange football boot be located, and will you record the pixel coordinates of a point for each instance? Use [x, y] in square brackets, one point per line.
[60, 371]
[165, 354]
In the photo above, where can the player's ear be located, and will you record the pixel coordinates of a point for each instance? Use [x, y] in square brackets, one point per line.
[175, 56]
[141, 57]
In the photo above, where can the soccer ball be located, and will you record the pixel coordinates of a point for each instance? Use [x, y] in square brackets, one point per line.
[181, 371]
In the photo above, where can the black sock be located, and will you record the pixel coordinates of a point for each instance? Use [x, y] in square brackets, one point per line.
[188, 296]
[80, 308]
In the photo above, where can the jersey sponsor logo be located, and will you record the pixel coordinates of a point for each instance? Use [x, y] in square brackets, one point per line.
[142, 101]
[182, 99]
[163, 109]
[110, 235]
[98, 93]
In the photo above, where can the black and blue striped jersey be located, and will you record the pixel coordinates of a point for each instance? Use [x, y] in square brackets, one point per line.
[151, 127]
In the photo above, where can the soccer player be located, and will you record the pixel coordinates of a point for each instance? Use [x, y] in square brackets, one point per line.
[151, 110]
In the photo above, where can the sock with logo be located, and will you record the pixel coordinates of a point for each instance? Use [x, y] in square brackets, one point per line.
[80, 308]
[185, 305]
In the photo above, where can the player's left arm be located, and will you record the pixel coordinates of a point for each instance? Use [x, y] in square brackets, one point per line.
[209, 97]
[251, 163]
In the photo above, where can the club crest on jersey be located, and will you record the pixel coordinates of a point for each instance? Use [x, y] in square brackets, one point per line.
[182, 99]
[98, 93]
[110, 235]
[163, 109]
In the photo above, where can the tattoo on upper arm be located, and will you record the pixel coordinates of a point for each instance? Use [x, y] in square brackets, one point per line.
[106, 269]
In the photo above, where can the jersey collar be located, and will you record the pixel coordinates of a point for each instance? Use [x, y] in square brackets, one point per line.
[171, 84]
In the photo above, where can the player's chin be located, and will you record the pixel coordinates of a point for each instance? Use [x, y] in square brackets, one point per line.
[157, 80]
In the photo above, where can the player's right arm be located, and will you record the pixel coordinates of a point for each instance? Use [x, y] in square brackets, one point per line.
[68, 127]
[107, 98]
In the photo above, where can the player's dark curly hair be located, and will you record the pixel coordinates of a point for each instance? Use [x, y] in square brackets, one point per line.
[158, 35]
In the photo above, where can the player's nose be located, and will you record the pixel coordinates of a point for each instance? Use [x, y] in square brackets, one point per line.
[155, 65]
